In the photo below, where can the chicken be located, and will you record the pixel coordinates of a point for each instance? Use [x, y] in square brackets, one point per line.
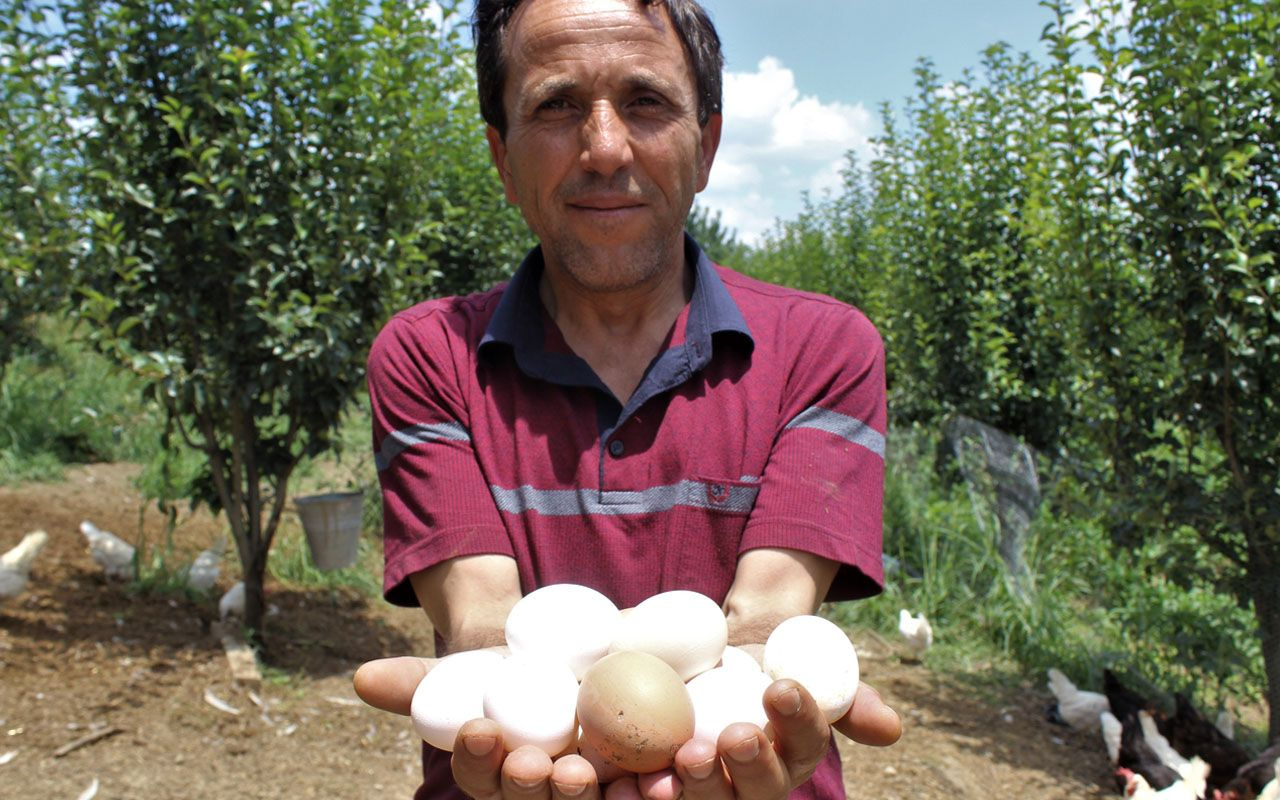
[917, 631]
[1136, 755]
[1078, 708]
[232, 603]
[1272, 790]
[1111, 730]
[113, 554]
[202, 574]
[1124, 702]
[1172, 758]
[1251, 778]
[15, 564]
[1191, 733]
[1190, 786]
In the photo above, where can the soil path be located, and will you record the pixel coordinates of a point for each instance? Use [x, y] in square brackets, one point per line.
[102, 687]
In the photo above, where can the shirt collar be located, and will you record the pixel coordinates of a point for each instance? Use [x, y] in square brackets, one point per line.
[517, 321]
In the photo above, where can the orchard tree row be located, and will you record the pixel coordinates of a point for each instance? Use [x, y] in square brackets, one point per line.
[232, 196]
[1081, 249]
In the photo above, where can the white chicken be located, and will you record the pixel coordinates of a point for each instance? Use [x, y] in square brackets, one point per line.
[917, 631]
[1079, 708]
[15, 564]
[1112, 731]
[232, 603]
[202, 574]
[1171, 758]
[113, 554]
[1272, 790]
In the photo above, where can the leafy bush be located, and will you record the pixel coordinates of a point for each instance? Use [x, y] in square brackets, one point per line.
[63, 404]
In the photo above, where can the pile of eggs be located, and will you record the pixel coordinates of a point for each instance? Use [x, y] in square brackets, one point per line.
[632, 686]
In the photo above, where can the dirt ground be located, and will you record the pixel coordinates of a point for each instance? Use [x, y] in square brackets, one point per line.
[101, 687]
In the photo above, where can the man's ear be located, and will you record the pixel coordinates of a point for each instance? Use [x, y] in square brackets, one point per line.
[708, 145]
[498, 152]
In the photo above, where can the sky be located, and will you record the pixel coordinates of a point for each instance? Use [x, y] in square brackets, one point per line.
[805, 80]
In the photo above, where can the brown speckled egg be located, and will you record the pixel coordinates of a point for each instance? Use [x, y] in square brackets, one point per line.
[635, 711]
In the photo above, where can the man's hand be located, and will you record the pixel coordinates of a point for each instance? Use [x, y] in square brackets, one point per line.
[747, 763]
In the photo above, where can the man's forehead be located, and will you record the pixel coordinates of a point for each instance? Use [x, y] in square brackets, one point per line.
[550, 23]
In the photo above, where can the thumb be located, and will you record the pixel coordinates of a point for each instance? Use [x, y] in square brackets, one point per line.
[389, 683]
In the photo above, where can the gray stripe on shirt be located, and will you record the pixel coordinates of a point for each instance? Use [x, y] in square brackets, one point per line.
[399, 441]
[851, 429]
[587, 502]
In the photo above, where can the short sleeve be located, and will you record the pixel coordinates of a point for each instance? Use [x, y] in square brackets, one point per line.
[436, 502]
[822, 490]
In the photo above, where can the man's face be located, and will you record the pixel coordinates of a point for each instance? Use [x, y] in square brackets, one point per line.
[603, 151]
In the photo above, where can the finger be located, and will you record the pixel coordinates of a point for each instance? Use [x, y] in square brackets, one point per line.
[573, 777]
[389, 683]
[869, 721]
[526, 774]
[802, 733]
[660, 785]
[700, 772]
[477, 758]
[623, 788]
[755, 769]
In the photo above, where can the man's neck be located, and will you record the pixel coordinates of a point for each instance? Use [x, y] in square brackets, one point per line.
[618, 333]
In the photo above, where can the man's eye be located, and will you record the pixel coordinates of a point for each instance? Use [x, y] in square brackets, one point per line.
[557, 104]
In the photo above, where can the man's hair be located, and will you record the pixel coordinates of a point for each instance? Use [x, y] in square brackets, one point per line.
[491, 18]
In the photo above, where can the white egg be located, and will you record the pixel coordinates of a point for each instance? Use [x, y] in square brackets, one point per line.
[725, 695]
[817, 654]
[737, 658]
[563, 621]
[452, 693]
[686, 629]
[534, 700]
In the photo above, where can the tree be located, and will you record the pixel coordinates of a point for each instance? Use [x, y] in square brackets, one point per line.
[1204, 96]
[259, 182]
[37, 239]
[718, 241]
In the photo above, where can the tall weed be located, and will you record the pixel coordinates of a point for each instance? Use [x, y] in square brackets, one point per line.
[1090, 604]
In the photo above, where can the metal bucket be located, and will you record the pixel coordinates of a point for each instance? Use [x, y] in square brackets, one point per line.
[332, 524]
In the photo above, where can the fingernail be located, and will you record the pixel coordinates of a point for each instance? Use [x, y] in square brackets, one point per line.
[525, 783]
[787, 703]
[702, 769]
[479, 745]
[746, 750]
[570, 789]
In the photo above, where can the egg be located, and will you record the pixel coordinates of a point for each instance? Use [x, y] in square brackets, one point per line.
[725, 695]
[450, 694]
[737, 658]
[533, 700]
[635, 711]
[688, 630]
[817, 654]
[565, 622]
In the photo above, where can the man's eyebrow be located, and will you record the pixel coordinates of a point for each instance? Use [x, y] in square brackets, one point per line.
[563, 84]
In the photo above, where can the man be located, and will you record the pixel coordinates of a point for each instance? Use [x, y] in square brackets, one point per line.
[624, 414]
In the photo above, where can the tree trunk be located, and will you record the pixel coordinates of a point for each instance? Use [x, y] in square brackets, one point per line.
[254, 598]
[1265, 580]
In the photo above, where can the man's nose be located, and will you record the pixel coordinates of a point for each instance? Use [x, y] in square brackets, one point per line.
[606, 141]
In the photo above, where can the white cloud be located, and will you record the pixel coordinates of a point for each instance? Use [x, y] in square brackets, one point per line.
[777, 144]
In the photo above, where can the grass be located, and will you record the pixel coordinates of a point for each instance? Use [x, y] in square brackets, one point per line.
[65, 404]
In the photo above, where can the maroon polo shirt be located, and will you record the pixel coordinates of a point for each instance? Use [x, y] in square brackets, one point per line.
[762, 424]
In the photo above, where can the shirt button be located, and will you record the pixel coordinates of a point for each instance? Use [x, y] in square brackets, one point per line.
[617, 448]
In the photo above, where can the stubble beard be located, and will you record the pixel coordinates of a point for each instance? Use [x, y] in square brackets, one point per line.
[609, 270]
